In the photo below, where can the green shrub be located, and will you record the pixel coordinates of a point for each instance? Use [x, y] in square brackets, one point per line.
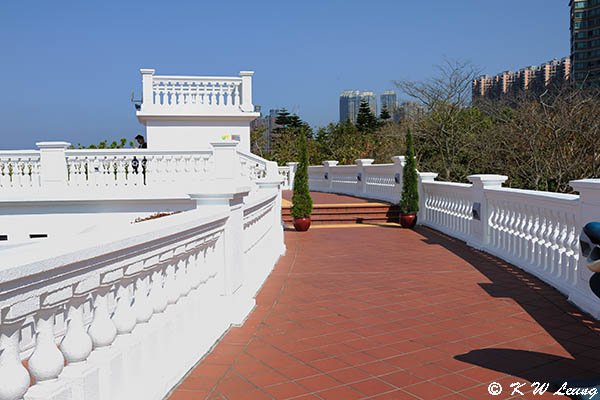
[410, 191]
[301, 200]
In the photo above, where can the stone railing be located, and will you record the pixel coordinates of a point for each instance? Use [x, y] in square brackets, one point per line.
[196, 94]
[288, 173]
[536, 231]
[55, 165]
[374, 181]
[127, 314]
[19, 170]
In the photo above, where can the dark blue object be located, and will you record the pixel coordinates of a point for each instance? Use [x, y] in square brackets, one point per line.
[592, 229]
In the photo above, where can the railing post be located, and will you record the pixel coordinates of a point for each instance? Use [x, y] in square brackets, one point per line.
[226, 193]
[327, 173]
[589, 211]
[226, 160]
[293, 167]
[479, 237]
[399, 163]
[273, 181]
[147, 90]
[247, 105]
[53, 164]
[423, 177]
[361, 179]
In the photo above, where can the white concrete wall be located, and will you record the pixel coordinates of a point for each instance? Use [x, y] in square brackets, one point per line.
[181, 135]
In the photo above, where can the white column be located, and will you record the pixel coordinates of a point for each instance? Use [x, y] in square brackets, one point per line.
[589, 211]
[423, 178]
[361, 181]
[147, 90]
[327, 172]
[479, 224]
[247, 105]
[53, 164]
[399, 163]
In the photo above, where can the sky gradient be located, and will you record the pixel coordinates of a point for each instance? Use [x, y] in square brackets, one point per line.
[69, 67]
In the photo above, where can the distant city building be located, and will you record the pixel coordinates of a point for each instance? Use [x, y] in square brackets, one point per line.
[389, 101]
[267, 123]
[533, 79]
[585, 42]
[350, 103]
[410, 110]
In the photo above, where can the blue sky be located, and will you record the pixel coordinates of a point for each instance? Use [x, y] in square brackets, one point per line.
[68, 67]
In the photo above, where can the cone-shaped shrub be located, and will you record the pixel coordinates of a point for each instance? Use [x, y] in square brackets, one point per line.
[301, 200]
[410, 192]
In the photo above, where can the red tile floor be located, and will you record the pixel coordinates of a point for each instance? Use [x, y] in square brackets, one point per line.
[389, 313]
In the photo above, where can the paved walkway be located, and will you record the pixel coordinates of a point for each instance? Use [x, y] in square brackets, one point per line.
[388, 313]
[329, 198]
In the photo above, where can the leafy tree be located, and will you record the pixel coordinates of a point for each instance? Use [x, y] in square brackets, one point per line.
[410, 193]
[365, 120]
[301, 200]
[385, 114]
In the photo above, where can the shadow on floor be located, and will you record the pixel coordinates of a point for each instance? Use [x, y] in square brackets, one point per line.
[574, 330]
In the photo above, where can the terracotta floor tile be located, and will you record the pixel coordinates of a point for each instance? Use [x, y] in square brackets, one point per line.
[189, 395]
[285, 390]
[318, 382]
[349, 375]
[372, 387]
[428, 390]
[416, 309]
[340, 393]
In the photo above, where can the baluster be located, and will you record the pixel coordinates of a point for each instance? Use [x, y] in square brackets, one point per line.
[561, 245]
[527, 249]
[158, 295]
[539, 252]
[102, 330]
[46, 362]
[172, 291]
[573, 248]
[142, 303]
[554, 256]
[547, 240]
[512, 230]
[236, 95]
[76, 346]
[124, 316]
[14, 378]
[520, 226]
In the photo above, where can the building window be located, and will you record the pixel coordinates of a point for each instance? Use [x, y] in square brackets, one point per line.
[580, 4]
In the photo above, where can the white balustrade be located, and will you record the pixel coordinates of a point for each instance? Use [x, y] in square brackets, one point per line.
[196, 94]
[373, 181]
[19, 170]
[448, 208]
[344, 178]
[93, 318]
[536, 231]
[380, 182]
[122, 168]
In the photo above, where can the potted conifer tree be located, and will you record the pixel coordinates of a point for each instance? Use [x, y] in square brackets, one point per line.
[301, 200]
[409, 205]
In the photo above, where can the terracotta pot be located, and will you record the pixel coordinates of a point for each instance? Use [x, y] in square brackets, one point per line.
[302, 224]
[408, 220]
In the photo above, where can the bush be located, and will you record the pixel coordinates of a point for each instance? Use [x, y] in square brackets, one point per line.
[301, 200]
[410, 192]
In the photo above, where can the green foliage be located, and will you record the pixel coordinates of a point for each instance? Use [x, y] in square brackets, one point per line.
[385, 114]
[301, 200]
[410, 192]
[365, 120]
[104, 145]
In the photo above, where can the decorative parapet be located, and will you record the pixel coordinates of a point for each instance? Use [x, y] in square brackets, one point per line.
[195, 95]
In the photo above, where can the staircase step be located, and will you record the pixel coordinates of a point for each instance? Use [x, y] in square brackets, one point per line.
[348, 213]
